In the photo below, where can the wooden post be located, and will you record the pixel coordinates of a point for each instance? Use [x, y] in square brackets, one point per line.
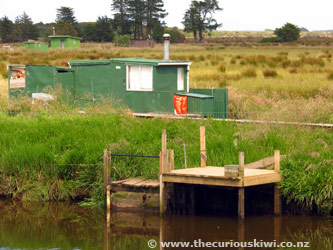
[164, 140]
[203, 146]
[241, 165]
[277, 197]
[241, 191]
[277, 161]
[105, 161]
[277, 229]
[241, 233]
[109, 167]
[185, 156]
[277, 200]
[172, 160]
[241, 205]
[161, 163]
[163, 196]
[164, 153]
[106, 237]
[108, 198]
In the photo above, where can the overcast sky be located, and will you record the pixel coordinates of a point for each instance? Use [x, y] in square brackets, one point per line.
[236, 14]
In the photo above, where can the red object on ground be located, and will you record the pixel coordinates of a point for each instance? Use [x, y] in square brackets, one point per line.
[180, 104]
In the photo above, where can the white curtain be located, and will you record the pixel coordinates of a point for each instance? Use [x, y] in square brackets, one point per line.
[180, 79]
[140, 78]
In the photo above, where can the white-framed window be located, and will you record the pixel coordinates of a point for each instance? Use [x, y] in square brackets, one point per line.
[180, 79]
[74, 41]
[139, 78]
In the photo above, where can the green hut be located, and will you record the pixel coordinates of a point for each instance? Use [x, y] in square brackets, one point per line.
[64, 42]
[144, 85]
[33, 45]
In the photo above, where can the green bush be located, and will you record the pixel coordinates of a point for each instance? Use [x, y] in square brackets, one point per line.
[288, 32]
[176, 35]
[123, 41]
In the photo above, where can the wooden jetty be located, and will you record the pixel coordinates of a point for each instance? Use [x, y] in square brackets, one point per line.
[252, 174]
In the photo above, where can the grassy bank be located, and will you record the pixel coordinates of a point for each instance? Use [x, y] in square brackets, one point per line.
[39, 153]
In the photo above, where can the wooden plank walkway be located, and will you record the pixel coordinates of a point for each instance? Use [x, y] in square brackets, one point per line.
[135, 185]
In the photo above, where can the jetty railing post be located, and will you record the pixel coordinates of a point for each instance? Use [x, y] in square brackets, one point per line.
[108, 205]
[164, 159]
[203, 146]
[105, 162]
[163, 167]
[172, 160]
[277, 197]
[108, 188]
[185, 156]
[241, 190]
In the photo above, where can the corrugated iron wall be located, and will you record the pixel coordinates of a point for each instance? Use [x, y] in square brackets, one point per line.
[220, 109]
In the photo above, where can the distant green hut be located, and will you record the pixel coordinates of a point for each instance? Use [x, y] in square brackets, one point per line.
[65, 42]
[33, 45]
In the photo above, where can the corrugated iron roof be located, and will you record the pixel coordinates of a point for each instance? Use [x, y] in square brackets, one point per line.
[136, 60]
[154, 62]
[65, 36]
[89, 62]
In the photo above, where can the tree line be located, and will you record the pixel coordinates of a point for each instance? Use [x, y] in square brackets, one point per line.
[140, 19]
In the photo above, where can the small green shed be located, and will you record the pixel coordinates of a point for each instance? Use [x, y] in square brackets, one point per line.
[34, 45]
[64, 42]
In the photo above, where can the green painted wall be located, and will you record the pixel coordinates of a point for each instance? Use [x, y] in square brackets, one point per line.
[95, 82]
[36, 46]
[220, 109]
[69, 42]
[92, 82]
[42, 79]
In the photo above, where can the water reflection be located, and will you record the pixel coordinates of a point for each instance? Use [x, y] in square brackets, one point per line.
[67, 226]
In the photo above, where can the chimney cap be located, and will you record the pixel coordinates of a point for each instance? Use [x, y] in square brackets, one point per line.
[166, 36]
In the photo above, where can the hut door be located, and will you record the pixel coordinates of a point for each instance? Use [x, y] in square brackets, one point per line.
[62, 43]
[180, 79]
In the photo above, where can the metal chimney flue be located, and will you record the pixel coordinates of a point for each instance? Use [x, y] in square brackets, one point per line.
[53, 31]
[166, 47]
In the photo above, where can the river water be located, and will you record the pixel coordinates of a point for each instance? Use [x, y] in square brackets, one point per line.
[68, 226]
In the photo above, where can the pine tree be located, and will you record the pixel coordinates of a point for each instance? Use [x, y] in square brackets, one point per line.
[103, 29]
[155, 12]
[199, 17]
[121, 18]
[66, 14]
[6, 29]
[137, 13]
[25, 29]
